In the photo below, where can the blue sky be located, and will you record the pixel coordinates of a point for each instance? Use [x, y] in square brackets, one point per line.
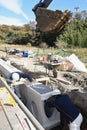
[19, 12]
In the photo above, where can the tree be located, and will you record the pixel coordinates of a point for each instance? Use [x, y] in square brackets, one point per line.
[75, 33]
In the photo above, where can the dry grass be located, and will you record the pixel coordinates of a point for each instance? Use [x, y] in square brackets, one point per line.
[12, 46]
[80, 53]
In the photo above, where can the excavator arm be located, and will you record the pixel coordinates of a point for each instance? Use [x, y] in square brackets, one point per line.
[49, 20]
[43, 4]
[47, 3]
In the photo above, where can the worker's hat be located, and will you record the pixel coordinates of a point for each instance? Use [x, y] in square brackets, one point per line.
[56, 92]
[15, 77]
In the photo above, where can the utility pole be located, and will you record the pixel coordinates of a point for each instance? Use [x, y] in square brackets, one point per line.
[76, 22]
[76, 8]
[76, 13]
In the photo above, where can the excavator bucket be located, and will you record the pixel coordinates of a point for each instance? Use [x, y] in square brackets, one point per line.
[47, 3]
[49, 21]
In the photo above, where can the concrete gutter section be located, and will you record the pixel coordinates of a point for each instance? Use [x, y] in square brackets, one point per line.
[6, 69]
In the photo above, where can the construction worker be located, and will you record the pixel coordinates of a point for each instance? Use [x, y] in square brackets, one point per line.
[15, 77]
[66, 107]
[43, 4]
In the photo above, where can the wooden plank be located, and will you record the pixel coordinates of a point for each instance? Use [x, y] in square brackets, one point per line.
[61, 80]
[9, 110]
[4, 124]
[44, 79]
[64, 81]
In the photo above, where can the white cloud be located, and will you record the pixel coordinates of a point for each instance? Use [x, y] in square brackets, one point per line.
[13, 5]
[10, 21]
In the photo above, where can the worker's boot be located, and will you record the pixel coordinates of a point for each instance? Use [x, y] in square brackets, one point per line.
[75, 125]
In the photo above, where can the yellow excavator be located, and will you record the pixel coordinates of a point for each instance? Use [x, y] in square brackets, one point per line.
[49, 20]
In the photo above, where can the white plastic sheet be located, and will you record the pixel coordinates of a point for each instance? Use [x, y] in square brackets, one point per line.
[78, 65]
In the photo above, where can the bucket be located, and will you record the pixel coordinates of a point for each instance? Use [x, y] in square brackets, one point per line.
[25, 54]
[44, 58]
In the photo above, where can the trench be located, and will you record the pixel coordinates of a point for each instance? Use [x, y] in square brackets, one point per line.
[77, 92]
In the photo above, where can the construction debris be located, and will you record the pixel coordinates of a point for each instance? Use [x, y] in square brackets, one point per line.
[69, 63]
